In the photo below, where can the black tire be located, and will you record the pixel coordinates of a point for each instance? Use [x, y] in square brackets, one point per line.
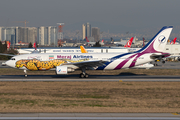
[81, 75]
[86, 75]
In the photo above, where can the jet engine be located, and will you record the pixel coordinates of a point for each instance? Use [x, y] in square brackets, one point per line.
[63, 70]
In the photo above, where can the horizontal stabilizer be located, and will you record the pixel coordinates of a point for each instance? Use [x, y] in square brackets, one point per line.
[7, 54]
[154, 56]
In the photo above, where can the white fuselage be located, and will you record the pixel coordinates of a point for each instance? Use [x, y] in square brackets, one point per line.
[111, 58]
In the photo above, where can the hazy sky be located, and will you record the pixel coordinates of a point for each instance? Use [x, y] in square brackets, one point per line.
[113, 15]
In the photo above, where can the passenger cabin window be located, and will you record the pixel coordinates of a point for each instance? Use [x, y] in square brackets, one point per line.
[13, 59]
[167, 48]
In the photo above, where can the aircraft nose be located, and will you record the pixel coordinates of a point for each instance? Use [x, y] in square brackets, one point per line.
[10, 63]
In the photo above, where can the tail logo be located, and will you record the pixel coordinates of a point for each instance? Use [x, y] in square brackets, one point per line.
[162, 39]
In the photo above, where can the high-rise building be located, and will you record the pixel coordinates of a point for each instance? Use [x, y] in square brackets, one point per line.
[8, 34]
[86, 30]
[22, 34]
[96, 33]
[83, 31]
[32, 34]
[42, 34]
[52, 35]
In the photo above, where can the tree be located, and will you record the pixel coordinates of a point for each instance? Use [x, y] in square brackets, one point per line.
[30, 45]
[1, 47]
[4, 47]
[97, 44]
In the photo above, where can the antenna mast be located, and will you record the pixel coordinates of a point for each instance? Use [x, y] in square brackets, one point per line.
[60, 33]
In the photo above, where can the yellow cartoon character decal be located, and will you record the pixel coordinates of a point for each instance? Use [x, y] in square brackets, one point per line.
[21, 63]
[35, 64]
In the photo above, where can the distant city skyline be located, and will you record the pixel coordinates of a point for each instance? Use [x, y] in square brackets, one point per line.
[142, 17]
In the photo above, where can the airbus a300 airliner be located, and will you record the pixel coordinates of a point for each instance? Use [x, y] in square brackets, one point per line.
[65, 63]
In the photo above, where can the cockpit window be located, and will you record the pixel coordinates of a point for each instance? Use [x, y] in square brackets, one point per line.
[13, 59]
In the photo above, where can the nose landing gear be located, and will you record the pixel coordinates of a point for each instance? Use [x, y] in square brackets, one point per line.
[25, 75]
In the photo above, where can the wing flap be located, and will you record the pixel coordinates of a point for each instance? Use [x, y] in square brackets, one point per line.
[87, 64]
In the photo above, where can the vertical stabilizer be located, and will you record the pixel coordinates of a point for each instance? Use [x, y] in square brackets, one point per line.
[158, 42]
[128, 44]
[83, 50]
[87, 39]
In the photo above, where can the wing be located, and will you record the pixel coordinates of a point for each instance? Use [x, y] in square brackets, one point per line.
[86, 64]
[7, 54]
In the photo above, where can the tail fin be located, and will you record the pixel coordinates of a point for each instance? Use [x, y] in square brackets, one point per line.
[128, 44]
[83, 50]
[34, 46]
[158, 42]
[174, 41]
[171, 42]
[102, 41]
[87, 39]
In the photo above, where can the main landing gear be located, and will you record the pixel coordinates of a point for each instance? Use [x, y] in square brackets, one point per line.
[83, 74]
[25, 75]
[155, 63]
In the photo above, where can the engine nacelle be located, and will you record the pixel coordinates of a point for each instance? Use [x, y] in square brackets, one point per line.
[63, 70]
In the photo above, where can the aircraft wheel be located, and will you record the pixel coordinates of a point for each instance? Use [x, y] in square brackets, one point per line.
[81, 75]
[86, 75]
[163, 62]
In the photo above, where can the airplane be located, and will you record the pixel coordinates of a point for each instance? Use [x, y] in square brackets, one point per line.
[124, 42]
[143, 66]
[174, 41]
[93, 43]
[63, 63]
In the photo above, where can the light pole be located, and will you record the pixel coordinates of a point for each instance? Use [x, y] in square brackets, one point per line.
[101, 35]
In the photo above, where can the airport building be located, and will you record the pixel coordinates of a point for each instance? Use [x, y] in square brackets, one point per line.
[73, 50]
[174, 50]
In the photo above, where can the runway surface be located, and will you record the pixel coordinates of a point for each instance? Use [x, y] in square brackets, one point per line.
[91, 78]
[91, 116]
